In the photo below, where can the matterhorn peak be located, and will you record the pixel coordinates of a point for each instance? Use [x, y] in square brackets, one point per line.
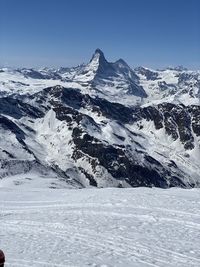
[99, 51]
[98, 56]
[98, 63]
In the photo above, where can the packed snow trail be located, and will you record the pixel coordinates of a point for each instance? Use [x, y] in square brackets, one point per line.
[138, 227]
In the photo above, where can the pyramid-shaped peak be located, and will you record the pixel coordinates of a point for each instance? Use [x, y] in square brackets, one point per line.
[98, 56]
[99, 51]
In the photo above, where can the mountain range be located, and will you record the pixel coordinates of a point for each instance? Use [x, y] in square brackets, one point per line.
[100, 124]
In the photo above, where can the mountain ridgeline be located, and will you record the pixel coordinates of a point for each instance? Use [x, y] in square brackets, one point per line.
[100, 124]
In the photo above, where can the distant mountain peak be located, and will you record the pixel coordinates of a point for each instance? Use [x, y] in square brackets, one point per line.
[177, 68]
[98, 63]
[99, 51]
[98, 57]
[121, 61]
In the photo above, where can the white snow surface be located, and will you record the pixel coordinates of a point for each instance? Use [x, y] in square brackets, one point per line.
[114, 87]
[138, 227]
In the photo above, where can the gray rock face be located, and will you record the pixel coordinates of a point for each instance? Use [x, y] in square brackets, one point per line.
[102, 73]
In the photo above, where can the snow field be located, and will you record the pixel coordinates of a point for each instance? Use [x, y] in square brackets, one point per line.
[100, 227]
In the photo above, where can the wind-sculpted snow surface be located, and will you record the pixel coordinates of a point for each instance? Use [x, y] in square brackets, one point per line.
[100, 124]
[109, 227]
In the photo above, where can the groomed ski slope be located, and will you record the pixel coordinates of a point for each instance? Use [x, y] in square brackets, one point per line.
[138, 227]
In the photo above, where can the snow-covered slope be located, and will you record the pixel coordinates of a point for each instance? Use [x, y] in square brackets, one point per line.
[110, 80]
[170, 85]
[101, 124]
[109, 227]
[116, 82]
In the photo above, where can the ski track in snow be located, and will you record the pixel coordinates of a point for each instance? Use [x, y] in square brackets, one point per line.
[100, 227]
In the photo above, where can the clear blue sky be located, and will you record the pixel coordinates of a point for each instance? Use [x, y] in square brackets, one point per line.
[153, 33]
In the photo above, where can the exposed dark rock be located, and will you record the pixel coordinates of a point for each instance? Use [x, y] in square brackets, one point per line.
[150, 75]
[89, 177]
[195, 120]
[122, 161]
[17, 108]
[7, 124]
[152, 113]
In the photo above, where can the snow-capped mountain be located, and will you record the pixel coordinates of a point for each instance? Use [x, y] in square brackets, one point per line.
[175, 85]
[111, 79]
[100, 124]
